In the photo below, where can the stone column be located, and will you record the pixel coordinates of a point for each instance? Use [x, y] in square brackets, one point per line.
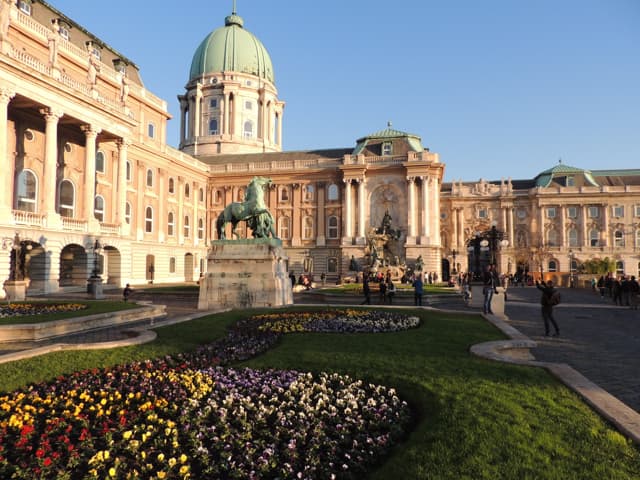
[320, 216]
[347, 209]
[51, 117]
[122, 144]
[225, 115]
[435, 214]
[296, 217]
[161, 216]
[179, 223]
[504, 219]
[605, 226]
[140, 207]
[426, 220]
[411, 214]
[543, 238]
[184, 108]
[279, 127]
[563, 224]
[585, 229]
[197, 113]
[8, 159]
[361, 209]
[91, 134]
[462, 242]
[454, 223]
[512, 240]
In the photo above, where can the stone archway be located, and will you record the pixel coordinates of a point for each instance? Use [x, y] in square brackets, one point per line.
[35, 266]
[188, 267]
[73, 266]
[112, 268]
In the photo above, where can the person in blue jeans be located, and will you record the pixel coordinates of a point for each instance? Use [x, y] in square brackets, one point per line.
[418, 290]
[490, 282]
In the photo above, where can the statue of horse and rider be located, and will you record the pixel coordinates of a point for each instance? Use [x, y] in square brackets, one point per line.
[253, 210]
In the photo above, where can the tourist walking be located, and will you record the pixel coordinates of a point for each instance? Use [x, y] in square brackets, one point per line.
[490, 283]
[391, 290]
[126, 293]
[634, 295]
[550, 298]
[366, 290]
[418, 287]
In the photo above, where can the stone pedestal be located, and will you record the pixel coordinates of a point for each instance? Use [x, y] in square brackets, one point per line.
[16, 290]
[245, 273]
[94, 288]
[497, 300]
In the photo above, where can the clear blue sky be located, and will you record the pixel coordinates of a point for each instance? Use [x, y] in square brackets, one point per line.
[499, 88]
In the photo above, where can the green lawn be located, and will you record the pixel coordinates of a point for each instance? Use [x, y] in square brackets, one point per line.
[93, 307]
[475, 419]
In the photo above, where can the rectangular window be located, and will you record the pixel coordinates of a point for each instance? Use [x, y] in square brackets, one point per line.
[386, 148]
[64, 32]
[618, 211]
[25, 6]
[594, 212]
[483, 213]
[571, 181]
[172, 265]
[213, 103]
[572, 212]
[636, 210]
[551, 212]
[332, 265]
[248, 105]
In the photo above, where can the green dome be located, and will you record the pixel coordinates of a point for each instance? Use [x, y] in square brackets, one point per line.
[232, 49]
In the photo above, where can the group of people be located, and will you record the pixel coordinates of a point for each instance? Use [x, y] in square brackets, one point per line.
[387, 288]
[623, 290]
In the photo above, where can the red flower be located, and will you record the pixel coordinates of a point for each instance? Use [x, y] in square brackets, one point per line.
[47, 462]
[40, 453]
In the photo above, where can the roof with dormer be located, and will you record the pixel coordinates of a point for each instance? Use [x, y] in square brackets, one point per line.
[413, 142]
[561, 172]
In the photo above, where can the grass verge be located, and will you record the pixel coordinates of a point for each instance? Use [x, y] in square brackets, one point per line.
[93, 308]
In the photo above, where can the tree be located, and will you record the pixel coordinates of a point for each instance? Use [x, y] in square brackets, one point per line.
[599, 266]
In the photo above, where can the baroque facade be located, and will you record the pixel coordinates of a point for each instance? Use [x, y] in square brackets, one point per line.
[85, 158]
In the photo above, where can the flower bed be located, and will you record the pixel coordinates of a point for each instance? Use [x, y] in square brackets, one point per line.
[189, 417]
[338, 321]
[24, 309]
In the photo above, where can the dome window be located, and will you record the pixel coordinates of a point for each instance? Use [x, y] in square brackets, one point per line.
[248, 129]
[248, 105]
[25, 6]
[387, 148]
[213, 103]
[213, 127]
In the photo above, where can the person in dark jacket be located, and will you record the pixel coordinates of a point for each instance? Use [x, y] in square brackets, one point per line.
[549, 294]
[366, 290]
[418, 290]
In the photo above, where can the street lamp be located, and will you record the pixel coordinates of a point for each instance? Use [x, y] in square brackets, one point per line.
[571, 279]
[454, 252]
[96, 252]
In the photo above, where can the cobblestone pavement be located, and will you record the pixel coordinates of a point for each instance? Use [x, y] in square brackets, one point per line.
[597, 338]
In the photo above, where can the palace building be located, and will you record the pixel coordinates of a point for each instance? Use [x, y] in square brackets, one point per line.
[88, 179]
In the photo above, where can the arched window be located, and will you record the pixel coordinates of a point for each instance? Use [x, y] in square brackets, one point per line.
[247, 131]
[149, 178]
[170, 224]
[201, 195]
[127, 213]
[187, 226]
[618, 238]
[200, 228]
[594, 237]
[100, 161]
[619, 267]
[553, 266]
[67, 202]
[213, 126]
[187, 190]
[308, 193]
[573, 237]
[217, 196]
[98, 208]
[27, 191]
[284, 194]
[332, 192]
[172, 186]
[552, 238]
[128, 170]
[148, 220]
[307, 227]
[332, 227]
[332, 265]
[284, 224]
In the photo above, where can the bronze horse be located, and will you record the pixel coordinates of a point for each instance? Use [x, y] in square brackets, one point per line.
[252, 210]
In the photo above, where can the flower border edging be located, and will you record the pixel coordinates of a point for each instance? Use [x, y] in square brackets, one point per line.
[516, 351]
